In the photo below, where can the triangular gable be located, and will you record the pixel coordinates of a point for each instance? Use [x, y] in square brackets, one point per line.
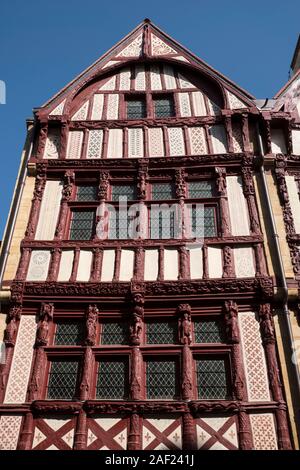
[288, 97]
[146, 41]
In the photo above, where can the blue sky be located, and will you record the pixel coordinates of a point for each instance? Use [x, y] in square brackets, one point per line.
[43, 45]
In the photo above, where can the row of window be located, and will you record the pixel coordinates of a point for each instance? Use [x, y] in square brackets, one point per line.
[162, 105]
[157, 332]
[160, 377]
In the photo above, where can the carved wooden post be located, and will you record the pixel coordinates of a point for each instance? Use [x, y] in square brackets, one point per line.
[117, 264]
[260, 262]
[205, 262]
[185, 338]
[10, 335]
[283, 195]
[142, 182]
[26, 435]
[136, 331]
[23, 264]
[184, 268]
[135, 432]
[67, 191]
[227, 262]
[228, 128]
[42, 336]
[189, 438]
[97, 265]
[180, 186]
[222, 193]
[233, 337]
[42, 139]
[245, 432]
[75, 265]
[54, 264]
[64, 137]
[80, 437]
[91, 325]
[86, 373]
[39, 188]
[245, 133]
[268, 339]
[248, 190]
[139, 263]
[161, 269]
[268, 136]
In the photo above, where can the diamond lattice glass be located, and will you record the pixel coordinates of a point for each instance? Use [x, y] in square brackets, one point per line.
[211, 379]
[203, 222]
[87, 193]
[200, 189]
[69, 333]
[82, 225]
[136, 109]
[161, 380]
[161, 332]
[164, 107]
[114, 333]
[123, 191]
[62, 380]
[209, 331]
[112, 380]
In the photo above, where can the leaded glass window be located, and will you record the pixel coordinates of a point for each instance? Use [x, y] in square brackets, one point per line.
[82, 225]
[162, 191]
[69, 333]
[119, 224]
[112, 380]
[87, 193]
[122, 191]
[162, 222]
[161, 332]
[161, 379]
[62, 380]
[211, 379]
[203, 222]
[208, 331]
[136, 108]
[114, 333]
[200, 189]
[164, 107]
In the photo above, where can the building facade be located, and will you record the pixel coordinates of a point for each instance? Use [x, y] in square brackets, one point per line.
[150, 266]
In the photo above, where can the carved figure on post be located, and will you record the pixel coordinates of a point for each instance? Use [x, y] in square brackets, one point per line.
[231, 320]
[46, 316]
[91, 325]
[11, 329]
[185, 324]
[136, 327]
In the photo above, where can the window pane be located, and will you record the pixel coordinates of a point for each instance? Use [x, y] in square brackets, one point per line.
[63, 380]
[161, 191]
[161, 379]
[162, 224]
[112, 380]
[200, 189]
[209, 331]
[118, 224]
[211, 379]
[161, 333]
[136, 109]
[114, 333]
[203, 221]
[164, 107]
[87, 193]
[127, 191]
[70, 333]
[82, 225]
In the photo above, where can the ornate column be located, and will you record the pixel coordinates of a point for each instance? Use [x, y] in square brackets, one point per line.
[69, 181]
[180, 187]
[222, 193]
[268, 339]
[10, 334]
[75, 265]
[228, 128]
[80, 437]
[23, 264]
[136, 330]
[248, 190]
[42, 139]
[39, 187]
[184, 268]
[189, 438]
[101, 231]
[64, 137]
[139, 263]
[141, 188]
[42, 336]
[245, 133]
[245, 432]
[268, 133]
[260, 262]
[97, 265]
[54, 264]
[283, 195]
[228, 270]
[135, 432]
[185, 338]
[26, 435]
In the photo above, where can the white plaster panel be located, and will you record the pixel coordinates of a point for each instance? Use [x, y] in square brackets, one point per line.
[125, 79]
[263, 431]
[197, 141]
[21, 363]
[278, 141]
[115, 143]
[140, 79]
[110, 84]
[238, 209]
[151, 265]
[97, 109]
[156, 145]
[84, 265]
[198, 104]
[49, 211]
[170, 264]
[176, 141]
[196, 263]
[52, 147]
[113, 106]
[296, 141]
[39, 265]
[215, 265]
[81, 114]
[184, 104]
[169, 78]
[244, 262]
[95, 142]
[294, 200]
[218, 137]
[155, 78]
[75, 139]
[65, 267]
[126, 265]
[9, 431]
[135, 142]
[108, 265]
[58, 111]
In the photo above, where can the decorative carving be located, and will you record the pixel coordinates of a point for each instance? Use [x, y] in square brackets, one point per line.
[180, 183]
[227, 262]
[91, 324]
[134, 441]
[231, 320]
[93, 407]
[103, 185]
[212, 407]
[45, 406]
[46, 316]
[142, 180]
[221, 181]
[40, 183]
[136, 374]
[245, 435]
[136, 326]
[185, 324]
[69, 181]
[12, 319]
[266, 324]
[84, 385]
